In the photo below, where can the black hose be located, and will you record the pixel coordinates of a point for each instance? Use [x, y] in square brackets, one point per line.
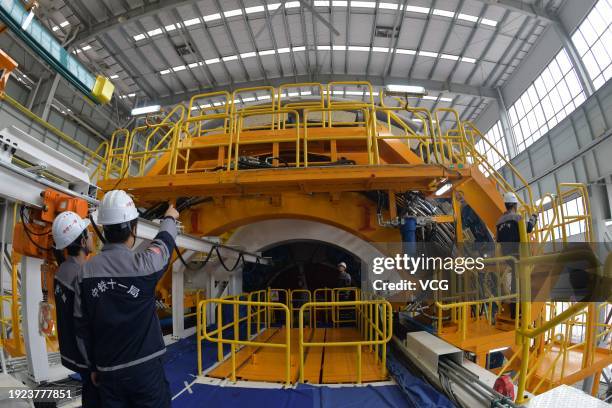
[28, 232]
[97, 230]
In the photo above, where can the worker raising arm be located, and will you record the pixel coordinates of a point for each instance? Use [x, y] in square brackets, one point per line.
[507, 225]
[119, 331]
[72, 244]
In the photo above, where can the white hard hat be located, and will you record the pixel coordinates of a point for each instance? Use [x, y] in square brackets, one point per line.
[117, 207]
[342, 264]
[510, 198]
[67, 227]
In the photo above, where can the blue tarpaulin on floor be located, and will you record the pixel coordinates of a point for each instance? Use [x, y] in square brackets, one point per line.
[304, 396]
[180, 363]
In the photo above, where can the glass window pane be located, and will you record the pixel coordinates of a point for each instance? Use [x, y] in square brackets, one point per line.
[564, 62]
[580, 43]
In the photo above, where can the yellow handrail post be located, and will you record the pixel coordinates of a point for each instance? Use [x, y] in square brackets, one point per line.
[525, 309]
[358, 364]
[301, 338]
[220, 329]
[199, 335]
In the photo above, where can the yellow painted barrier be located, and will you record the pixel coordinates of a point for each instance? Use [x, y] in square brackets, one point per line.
[378, 316]
[204, 334]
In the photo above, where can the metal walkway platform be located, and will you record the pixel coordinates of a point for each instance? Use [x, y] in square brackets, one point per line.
[322, 365]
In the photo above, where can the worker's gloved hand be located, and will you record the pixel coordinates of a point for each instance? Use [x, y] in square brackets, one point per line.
[171, 212]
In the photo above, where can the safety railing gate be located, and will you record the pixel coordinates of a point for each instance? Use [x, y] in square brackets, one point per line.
[255, 309]
[374, 321]
[240, 319]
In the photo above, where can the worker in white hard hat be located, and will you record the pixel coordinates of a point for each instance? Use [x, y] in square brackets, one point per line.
[119, 332]
[72, 244]
[344, 278]
[507, 228]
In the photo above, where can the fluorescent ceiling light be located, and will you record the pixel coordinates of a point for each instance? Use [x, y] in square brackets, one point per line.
[321, 3]
[407, 52]
[467, 17]
[273, 6]
[114, 76]
[449, 57]
[230, 58]
[283, 50]
[64, 23]
[212, 61]
[296, 49]
[171, 27]
[146, 109]
[380, 49]
[154, 32]
[248, 55]
[191, 22]
[212, 17]
[443, 189]
[444, 13]
[292, 4]
[428, 54]
[179, 68]
[233, 13]
[488, 22]
[388, 6]
[358, 48]
[139, 37]
[467, 59]
[193, 65]
[416, 9]
[406, 89]
[164, 72]
[339, 47]
[323, 47]
[340, 3]
[267, 52]
[255, 9]
[364, 4]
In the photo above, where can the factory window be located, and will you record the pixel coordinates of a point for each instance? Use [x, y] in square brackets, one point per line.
[571, 208]
[590, 39]
[574, 208]
[495, 138]
[554, 94]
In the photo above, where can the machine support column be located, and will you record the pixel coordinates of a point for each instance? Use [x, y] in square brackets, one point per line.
[31, 296]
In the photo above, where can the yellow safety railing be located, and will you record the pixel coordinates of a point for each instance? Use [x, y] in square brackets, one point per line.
[566, 191]
[277, 296]
[453, 147]
[344, 295]
[117, 156]
[323, 295]
[471, 134]
[216, 335]
[461, 312]
[311, 135]
[297, 297]
[274, 137]
[377, 330]
[98, 170]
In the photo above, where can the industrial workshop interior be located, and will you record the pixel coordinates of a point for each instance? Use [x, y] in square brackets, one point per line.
[309, 204]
